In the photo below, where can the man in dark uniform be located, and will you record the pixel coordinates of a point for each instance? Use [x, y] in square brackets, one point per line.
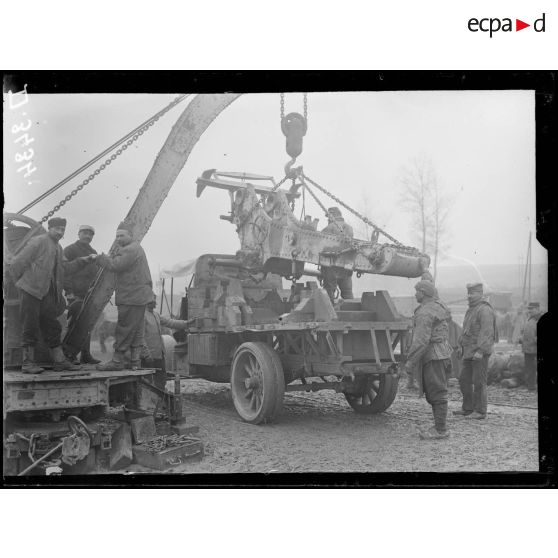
[77, 284]
[430, 356]
[133, 293]
[529, 344]
[476, 343]
[38, 272]
[334, 277]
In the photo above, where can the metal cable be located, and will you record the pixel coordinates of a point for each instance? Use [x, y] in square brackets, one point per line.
[354, 212]
[137, 132]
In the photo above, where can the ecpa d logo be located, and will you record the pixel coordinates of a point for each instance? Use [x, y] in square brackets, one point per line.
[493, 25]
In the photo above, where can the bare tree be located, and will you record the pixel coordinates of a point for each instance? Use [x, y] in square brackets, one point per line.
[423, 198]
[438, 242]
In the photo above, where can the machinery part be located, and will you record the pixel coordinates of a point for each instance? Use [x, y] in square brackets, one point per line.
[257, 382]
[43, 458]
[373, 393]
[77, 426]
[193, 122]
[76, 446]
[294, 128]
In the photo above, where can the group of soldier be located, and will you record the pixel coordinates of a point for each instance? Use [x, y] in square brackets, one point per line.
[429, 357]
[51, 279]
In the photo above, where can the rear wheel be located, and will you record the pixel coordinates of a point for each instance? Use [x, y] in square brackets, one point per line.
[373, 393]
[257, 382]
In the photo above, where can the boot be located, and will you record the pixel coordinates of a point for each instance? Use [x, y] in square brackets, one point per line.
[411, 383]
[28, 365]
[60, 360]
[462, 413]
[135, 358]
[114, 365]
[478, 416]
[433, 434]
[87, 358]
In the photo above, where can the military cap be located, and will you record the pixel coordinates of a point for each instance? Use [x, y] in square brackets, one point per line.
[534, 306]
[125, 227]
[474, 287]
[57, 222]
[86, 228]
[427, 287]
[334, 212]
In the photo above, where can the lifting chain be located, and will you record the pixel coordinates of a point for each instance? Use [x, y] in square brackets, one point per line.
[112, 158]
[354, 212]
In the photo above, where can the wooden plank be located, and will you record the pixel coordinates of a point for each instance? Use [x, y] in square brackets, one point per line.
[390, 348]
[375, 346]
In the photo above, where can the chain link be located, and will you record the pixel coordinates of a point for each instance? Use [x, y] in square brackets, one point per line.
[108, 161]
[282, 112]
[354, 212]
[306, 107]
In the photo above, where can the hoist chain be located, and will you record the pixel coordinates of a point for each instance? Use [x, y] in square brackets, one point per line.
[356, 213]
[282, 107]
[108, 161]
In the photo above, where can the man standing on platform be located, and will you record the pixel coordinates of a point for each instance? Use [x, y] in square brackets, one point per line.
[38, 272]
[77, 284]
[133, 293]
[477, 340]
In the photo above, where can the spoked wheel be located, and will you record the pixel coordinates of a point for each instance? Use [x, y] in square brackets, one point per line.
[373, 394]
[257, 383]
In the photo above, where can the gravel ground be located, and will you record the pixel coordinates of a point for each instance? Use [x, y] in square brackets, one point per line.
[320, 432]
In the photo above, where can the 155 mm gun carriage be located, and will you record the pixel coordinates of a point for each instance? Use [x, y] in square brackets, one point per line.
[265, 340]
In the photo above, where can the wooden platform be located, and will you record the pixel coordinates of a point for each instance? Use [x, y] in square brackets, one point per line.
[51, 390]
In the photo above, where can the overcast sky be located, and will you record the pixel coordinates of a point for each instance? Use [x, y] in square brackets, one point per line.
[482, 145]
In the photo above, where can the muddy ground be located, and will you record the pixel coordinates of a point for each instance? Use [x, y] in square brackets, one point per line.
[321, 433]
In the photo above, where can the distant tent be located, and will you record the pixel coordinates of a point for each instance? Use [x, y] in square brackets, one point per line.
[181, 269]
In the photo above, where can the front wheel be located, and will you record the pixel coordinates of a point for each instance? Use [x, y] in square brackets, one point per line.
[373, 393]
[257, 382]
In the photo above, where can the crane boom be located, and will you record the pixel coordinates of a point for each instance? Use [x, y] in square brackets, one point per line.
[192, 123]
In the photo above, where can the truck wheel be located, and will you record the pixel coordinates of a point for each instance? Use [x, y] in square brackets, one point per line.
[257, 382]
[375, 395]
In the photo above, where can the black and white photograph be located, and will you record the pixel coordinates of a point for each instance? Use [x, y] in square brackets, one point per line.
[214, 280]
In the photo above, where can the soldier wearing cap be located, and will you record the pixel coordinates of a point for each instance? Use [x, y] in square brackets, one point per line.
[133, 293]
[337, 277]
[430, 355]
[38, 272]
[528, 342]
[475, 344]
[77, 284]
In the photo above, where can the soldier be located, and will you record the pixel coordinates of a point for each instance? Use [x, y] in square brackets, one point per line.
[430, 355]
[133, 293]
[426, 276]
[153, 350]
[38, 272]
[528, 342]
[77, 284]
[337, 277]
[477, 340]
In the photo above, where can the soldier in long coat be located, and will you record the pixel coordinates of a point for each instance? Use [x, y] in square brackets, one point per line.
[38, 272]
[133, 293]
[476, 344]
[430, 355]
